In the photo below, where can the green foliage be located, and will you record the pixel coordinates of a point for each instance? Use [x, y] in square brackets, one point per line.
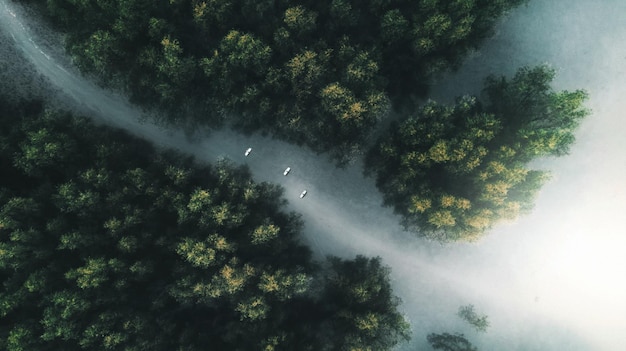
[242, 52]
[364, 313]
[394, 26]
[300, 20]
[536, 120]
[453, 172]
[41, 150]
[110, 245]
[450, 342]
[467, 313]
[269, 65]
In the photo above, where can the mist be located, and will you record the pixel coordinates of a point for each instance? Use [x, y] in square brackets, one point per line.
[570, 251]
[553, 280]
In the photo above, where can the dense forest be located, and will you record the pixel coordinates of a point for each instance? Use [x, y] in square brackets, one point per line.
[109, 244]
[452, 172]
[324, 74]
[319, 73]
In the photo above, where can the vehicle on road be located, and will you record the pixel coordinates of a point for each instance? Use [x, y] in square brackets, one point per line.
[287, 170]
[303, 194]
[248, 151]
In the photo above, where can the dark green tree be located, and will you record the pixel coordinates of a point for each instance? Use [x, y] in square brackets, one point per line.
[450, 342]
[363, 311]
[109, 244]
[453, 172]
[536, 120]
[319, 73]
[479, 322]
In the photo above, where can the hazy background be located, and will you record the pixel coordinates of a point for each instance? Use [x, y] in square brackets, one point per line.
[554, 280]
[570, 252]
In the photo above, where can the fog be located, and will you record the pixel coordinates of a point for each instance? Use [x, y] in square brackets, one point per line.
[553, 280]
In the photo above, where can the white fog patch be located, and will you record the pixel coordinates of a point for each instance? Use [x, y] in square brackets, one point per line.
[570, 252]
[551, 281]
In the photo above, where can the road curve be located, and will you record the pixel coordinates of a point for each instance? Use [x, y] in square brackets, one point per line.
[341, 205]
[342, 210]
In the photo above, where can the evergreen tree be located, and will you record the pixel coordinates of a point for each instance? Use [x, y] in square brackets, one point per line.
[452, 172]
[319, 73]
[107, 244]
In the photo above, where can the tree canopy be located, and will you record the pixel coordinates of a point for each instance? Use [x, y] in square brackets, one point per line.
[452, 172]
[319, 73]
[479, 322]
[108, 244]
[450, 342]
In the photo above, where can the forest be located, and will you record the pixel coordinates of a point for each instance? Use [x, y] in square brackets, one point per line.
[327, 75]
[109, 244]
[318, 73]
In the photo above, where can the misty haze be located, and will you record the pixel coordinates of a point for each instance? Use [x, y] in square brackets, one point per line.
[553, 279]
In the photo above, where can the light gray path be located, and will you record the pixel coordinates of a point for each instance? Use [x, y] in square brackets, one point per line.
[526, 276]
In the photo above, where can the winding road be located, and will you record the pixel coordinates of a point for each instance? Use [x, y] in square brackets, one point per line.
[504, 275]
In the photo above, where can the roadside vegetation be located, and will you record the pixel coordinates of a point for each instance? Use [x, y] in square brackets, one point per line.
[318, 73]
[108, 244]
[324, 74]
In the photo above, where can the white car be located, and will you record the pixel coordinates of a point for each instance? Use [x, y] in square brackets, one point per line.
[303, 194]
[248, 151]
[287, 170]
